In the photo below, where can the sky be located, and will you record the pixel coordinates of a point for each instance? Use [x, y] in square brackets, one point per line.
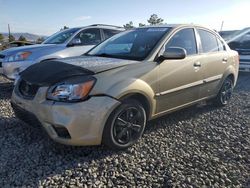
[45, 17]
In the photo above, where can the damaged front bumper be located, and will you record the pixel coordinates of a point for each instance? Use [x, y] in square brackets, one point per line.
[79, 123]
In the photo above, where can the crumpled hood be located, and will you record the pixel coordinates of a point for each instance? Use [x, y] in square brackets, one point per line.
[97, 64]
[30, 48]
[50, 72]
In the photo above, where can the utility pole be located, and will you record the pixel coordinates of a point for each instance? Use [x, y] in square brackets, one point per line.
[9, 31]
[222, 24]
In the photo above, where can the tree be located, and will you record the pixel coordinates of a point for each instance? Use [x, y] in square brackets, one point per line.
[154, 20]
[1, 37]
[11, 38]
[64, 27]
[40, 40]
[22, 38]
[141, 24]
[129, 25]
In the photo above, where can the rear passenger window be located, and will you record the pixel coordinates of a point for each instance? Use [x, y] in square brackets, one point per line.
[221, 45]
[184, 39]
[208, 41]
[109, 33]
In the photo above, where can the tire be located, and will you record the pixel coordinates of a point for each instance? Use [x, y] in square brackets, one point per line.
[225, 93]
[125, 125]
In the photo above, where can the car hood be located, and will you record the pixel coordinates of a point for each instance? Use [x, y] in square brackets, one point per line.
[51, 72]
[97, 64]
[30, 48]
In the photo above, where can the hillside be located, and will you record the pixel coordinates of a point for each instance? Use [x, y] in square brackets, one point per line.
[28, 36]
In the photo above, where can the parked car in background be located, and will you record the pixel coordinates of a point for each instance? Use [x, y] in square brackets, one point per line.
[108, 95]
[226, 35]
[240, 41]
[66, 43]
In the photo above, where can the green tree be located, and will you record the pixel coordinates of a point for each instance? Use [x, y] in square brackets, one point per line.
[141, 24]
[129, 25]
[40, 40]
[154, 20]
[64, 27]
[11, 38]
[22, 38]
[1, 37]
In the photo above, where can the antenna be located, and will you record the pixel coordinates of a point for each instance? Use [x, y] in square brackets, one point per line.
[9, 31]
[222, 24]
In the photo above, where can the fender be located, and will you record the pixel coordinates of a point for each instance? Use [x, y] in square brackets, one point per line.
[46, 58]
[229, 71]
[134, 86]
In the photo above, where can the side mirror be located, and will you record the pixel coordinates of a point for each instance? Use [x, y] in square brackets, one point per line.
[173, 53]
[75, 42]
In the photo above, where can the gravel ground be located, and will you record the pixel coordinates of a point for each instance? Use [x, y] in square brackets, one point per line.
[201, 145]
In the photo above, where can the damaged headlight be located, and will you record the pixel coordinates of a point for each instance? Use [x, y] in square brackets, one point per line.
[71, 92]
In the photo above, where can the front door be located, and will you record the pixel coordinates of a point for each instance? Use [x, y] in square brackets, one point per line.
[84, 41]
[180, 80]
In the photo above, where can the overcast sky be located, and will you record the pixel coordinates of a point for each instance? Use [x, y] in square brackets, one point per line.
[45, 17]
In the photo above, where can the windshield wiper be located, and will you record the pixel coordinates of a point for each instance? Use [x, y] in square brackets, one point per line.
[103, 55]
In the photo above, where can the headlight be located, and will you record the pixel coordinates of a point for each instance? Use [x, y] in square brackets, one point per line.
[20, 56]
[71, 92]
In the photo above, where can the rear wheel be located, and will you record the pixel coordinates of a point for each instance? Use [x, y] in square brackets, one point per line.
[125, 125]
[225, 93]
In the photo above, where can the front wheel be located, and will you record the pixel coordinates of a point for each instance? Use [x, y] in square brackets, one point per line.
[225, 93]
[125, 125]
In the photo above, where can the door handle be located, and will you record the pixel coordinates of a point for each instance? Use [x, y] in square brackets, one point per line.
[197, 64]
[224, 59]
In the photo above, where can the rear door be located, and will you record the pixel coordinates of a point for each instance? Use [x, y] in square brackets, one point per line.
[214, 61]
[180, 80]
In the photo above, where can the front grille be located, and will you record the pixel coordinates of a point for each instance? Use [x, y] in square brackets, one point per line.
[25, 116]
[27, 90]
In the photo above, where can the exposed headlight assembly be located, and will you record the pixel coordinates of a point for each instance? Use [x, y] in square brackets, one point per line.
[20, 56]
[70, 91]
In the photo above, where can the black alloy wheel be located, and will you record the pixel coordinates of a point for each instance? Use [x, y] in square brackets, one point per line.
[125, 125]
[225, 93]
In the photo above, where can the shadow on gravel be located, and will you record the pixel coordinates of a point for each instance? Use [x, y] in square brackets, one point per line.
[6, 90]
[185, 114]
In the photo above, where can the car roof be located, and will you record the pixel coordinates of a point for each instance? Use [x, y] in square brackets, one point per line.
[102, 26]
[175, 26]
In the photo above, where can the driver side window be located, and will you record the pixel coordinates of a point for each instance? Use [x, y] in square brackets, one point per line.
[184, 39]
[88, 37]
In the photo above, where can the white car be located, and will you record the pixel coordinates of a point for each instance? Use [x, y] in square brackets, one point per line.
[66, 43]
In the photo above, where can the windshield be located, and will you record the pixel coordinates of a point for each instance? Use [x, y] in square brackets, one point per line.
[134, 44]
[61, 37]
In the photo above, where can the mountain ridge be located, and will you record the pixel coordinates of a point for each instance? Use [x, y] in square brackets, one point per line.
[28, 36]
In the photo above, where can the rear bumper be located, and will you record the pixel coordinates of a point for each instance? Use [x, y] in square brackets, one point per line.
[67, 123]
